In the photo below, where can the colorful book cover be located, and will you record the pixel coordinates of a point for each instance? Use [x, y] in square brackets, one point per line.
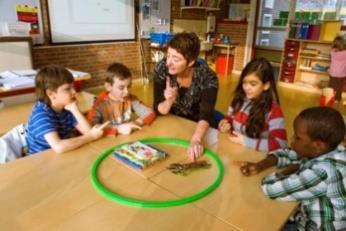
[139, 155]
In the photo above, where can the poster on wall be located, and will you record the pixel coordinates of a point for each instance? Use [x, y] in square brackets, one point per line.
[21, 18]
[29, 14]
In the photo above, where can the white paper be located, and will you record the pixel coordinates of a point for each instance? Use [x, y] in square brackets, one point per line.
[28, 72]
[17, 82]
[8, 74]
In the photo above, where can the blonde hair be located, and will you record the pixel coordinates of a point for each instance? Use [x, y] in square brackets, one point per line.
[339, 43]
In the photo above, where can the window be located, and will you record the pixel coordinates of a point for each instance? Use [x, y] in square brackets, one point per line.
[264, 42]
[267, 20]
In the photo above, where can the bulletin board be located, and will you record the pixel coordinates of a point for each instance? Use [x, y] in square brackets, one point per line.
[91, 20]
[28, 11]
[154, 16]
[15, 53]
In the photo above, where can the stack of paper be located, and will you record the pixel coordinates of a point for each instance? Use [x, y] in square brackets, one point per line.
[17, 79]
[78, 74]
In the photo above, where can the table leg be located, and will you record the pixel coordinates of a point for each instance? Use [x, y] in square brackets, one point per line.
[227, 61]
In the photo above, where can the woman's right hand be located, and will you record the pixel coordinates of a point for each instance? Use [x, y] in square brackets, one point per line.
[224, 126]
[170, 92]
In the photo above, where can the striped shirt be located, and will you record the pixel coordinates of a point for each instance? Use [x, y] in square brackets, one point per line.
[44, 120]
[273, 135]
[319, 184]
[337, 63]
[118, 112]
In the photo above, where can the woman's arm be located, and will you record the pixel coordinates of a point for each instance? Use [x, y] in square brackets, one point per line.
[206, 117]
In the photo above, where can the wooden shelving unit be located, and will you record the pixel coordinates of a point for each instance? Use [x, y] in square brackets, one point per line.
[200, 5]
[294, 57]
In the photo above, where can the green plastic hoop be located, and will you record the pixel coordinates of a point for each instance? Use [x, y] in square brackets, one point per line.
[155, 204]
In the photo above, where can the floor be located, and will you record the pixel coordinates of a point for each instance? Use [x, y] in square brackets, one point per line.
[292, 100]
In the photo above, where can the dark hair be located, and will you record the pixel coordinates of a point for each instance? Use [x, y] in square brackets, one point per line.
[339, 43]
[50, 78]
[117, 70]
[262, 105]
[186, 44]
[324, 124]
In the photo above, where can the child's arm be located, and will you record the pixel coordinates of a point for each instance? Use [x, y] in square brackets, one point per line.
[277, 137]
[248, 168]
[82, 124]
[146, 114]
[64, 145]
[304, 185]
[225, 124]
[280, 158]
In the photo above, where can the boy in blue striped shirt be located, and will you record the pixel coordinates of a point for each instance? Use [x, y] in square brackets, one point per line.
[56, 114]
[317, 177]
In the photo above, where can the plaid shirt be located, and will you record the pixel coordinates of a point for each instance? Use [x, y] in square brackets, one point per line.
[319, 184]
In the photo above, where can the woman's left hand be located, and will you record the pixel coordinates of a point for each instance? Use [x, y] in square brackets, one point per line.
[236, 137]
[195, 150]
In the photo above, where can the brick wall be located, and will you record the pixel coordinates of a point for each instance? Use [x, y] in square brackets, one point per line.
[237, 33]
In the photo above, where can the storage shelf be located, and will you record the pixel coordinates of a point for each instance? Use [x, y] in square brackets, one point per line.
[206, 9]
[199, 8]
[315, 58]
[310, 41]
[313, 71]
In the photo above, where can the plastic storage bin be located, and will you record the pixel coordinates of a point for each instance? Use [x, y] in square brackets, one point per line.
[329, 30]
[221, 61]
[161, 38]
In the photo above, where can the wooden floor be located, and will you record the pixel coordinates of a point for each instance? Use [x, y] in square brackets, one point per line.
[292, 100]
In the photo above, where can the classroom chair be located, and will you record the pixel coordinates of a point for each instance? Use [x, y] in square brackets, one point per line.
[13, 144]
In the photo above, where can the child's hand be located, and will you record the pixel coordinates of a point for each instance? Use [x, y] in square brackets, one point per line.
[236, 137]
[72, 106]
[127, 128]
[195, 150]
[249, 169]
[97, 130]
[224, 126]
[170, 93]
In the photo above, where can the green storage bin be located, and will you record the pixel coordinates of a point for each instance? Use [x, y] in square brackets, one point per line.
[283, 14]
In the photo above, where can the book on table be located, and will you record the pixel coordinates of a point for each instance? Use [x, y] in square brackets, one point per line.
[139, 155]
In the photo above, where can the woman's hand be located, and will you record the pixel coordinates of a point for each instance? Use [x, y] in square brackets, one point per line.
[170, 93]
[127, 128]
[236, 137]
[195, 150]
[224, 126]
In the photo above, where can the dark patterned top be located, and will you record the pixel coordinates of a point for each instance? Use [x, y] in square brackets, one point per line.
[196, 102]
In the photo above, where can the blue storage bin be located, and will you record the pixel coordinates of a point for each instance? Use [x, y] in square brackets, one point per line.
[161, 38]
